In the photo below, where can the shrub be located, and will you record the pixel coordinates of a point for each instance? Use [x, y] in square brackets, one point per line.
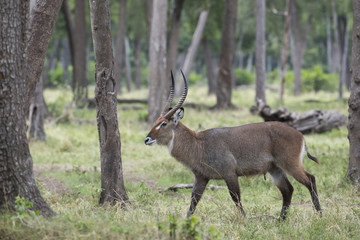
[242, 77]
[316, 80]
[194, 78]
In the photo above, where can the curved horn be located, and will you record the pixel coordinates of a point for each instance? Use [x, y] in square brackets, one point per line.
[171, 96]
[181, 101]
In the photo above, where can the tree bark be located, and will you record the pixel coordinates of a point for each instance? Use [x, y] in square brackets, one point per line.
[224, 83]
[336, 52]
[344, 54]
[159, 85]
[16, 166]
[285, 47]
[260, 51]
[43, 18]
[298, 44]
[65, 61]
[353, 172]
[149, 14]
[210, 74]
[120, 45]
[69, 23]
[112, 183]
[174, 37]
[328, 43]
[191, 53]
[37, 113]
[80, 60]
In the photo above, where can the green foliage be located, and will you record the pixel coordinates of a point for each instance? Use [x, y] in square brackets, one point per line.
[55, 77]
[56, 108]
[23, 209]
[242, 77]
[316, 80]
[194, 78]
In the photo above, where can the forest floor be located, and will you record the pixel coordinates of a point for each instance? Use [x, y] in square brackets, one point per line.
[67, 170]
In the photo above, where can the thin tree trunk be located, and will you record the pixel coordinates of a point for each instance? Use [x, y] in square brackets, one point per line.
[260, 51]
[69, 24]
[120, 45]
[65, 61]
[329, 43]
[210, 74]
[159, 84]
[298, 45]
[16, 83]
[191, 53]
[80, 60]
[36, 114]
[174, 37]
[353, 172]
[149, 15]
[224, 82]
[137, 63]
[343, 68]
[285, 47]
[112, 183]
[336, 53]
[127, 65]
[249, 62]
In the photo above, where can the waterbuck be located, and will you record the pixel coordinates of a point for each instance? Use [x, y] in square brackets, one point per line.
[227, 153]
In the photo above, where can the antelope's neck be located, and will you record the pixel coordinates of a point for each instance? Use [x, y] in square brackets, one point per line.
[185, 145]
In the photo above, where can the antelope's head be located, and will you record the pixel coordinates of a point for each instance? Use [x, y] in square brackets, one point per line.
[162, 131]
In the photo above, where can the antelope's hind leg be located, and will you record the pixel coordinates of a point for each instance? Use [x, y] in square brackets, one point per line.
[285, 187]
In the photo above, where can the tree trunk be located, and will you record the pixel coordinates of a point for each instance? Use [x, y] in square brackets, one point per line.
[65, 9]
[149, 14]
[210, 74]
[336, 53]
[127, 64]
[353, 172]
[285, 47]
[344, 54]
[298, 44]
[137, 77]
[37, 114]
[112, 183]
[120, 45]
[174, 37]
[65, 61]
[16, 165]
[329, 43]
[224, 83]
[159, 84]
[260, 50]
[43, 18]
[191, 53]
[80, 60]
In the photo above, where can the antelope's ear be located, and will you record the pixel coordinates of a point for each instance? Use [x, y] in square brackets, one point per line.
[179, 114]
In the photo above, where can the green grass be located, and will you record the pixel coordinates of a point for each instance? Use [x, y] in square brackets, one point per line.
[70, 158]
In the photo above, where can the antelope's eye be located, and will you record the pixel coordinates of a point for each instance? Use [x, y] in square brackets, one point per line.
[163, 124]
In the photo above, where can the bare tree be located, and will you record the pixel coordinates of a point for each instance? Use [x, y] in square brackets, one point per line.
[224, 82]
[37, 113]
[120, 45]
[285, 47]
[158, 82]
[210, 74]
[174, 37]
[80, 60]
[260, 9]
[112, 183]
[353, 172]
[191, 53]
[298, 44]
[16, 88]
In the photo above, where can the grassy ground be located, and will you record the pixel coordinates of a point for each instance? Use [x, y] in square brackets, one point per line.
[67, 171]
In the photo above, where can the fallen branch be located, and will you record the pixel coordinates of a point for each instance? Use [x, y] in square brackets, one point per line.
[176, 187]
[313, 121]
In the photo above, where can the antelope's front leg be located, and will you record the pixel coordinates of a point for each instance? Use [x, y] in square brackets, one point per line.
[198, 189]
